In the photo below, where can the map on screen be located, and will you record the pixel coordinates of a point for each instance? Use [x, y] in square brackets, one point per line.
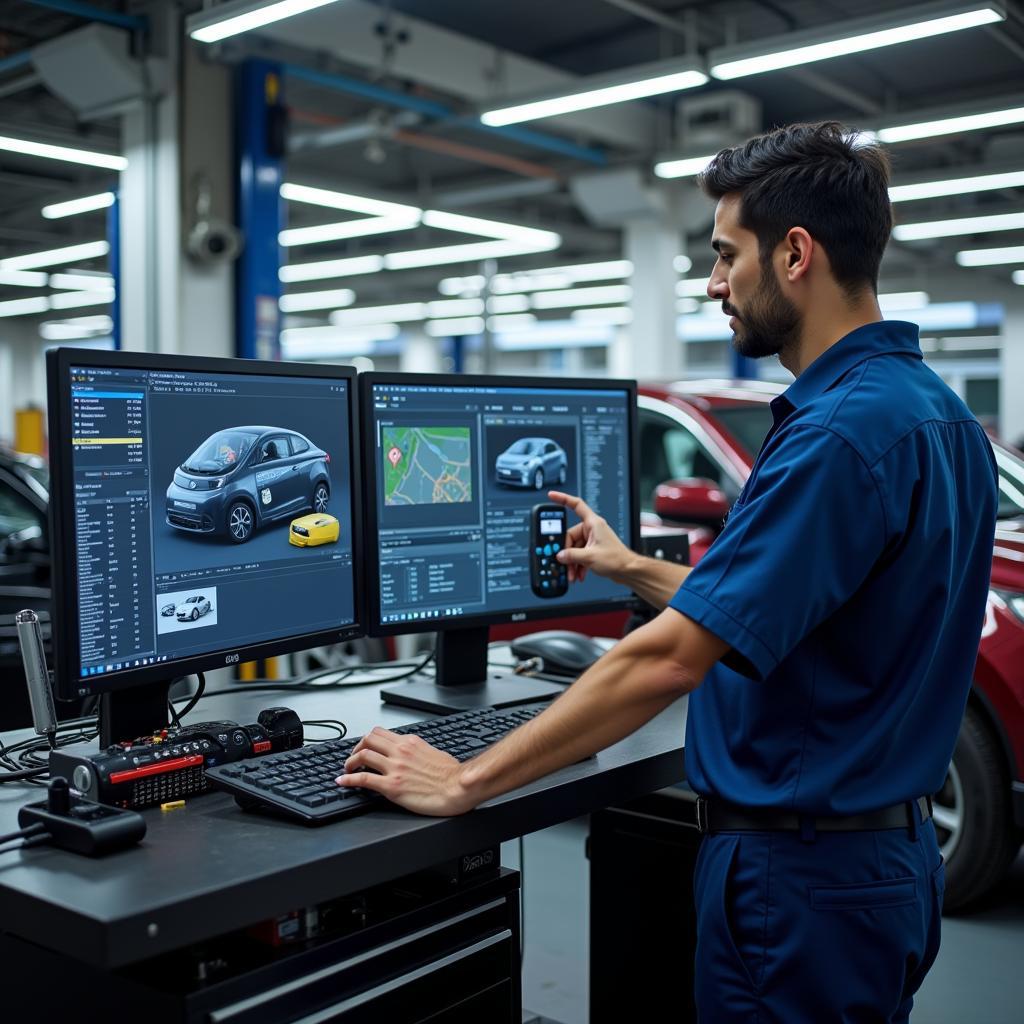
[427, 465]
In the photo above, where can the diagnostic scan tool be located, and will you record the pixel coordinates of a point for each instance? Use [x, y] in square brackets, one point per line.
[548, 577]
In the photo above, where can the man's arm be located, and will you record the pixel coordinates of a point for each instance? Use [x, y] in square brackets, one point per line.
[638, 678]
[593, 545]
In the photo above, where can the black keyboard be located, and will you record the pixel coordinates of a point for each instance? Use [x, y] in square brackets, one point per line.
[300, 783]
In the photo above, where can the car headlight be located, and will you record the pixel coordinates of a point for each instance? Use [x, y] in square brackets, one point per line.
[217, 483]
[1014, 602]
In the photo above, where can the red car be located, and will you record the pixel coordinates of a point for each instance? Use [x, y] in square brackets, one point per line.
[698, 441]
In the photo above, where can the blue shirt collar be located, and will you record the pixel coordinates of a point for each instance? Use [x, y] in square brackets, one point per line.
[885, 337]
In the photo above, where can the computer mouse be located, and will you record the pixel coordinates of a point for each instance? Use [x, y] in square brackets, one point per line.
[564, 653]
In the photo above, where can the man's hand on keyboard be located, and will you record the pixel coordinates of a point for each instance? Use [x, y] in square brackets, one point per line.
[409, 772]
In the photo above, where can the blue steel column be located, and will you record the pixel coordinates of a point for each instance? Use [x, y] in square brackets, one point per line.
[114, 264]
[260, 213]
[743, 367]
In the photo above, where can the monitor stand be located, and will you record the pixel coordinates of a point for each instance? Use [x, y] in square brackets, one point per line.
[129, 714]
[463, 680]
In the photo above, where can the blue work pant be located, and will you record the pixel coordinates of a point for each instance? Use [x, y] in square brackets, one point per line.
[841, 928]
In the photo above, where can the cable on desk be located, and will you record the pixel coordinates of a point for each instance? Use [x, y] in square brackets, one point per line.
[328, 723]
[177, 716]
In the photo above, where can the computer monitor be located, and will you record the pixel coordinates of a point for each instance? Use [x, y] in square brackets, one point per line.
[205, 512]
[455, 465]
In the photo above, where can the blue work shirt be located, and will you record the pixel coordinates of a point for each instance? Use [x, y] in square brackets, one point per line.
[850, 582]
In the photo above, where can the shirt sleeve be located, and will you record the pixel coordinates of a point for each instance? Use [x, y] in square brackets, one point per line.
[797, 545]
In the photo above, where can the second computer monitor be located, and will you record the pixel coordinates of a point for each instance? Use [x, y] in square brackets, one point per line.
[455, 467]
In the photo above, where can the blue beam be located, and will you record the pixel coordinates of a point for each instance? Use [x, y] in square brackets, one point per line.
[80, 10]
[15, 61]
[743, 367]
[259, 109]
[445, 114]
[114, 264]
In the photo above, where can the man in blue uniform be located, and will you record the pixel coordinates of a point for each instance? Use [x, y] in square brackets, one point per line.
[827, 638]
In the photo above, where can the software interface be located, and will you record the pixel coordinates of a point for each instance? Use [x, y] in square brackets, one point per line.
[212, 511]
[458, 471]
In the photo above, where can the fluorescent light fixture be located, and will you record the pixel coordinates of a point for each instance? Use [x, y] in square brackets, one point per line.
[955, 186]
[82, 282]
[22, 307]
[510, 322]
[73, 206]
[508, 304]
[990, 257]
[1018, 277]
[324, 269]
[402, 312]
[582, 297]
[78, 327]
[66, 153]
[470, 252]
[481, 226]
[687, 167]
[457, 328]
[229, 19]
[23, 278]
[682, 264]
[455, 307]
[560, 277]
[555, 334]
[346, 201]
[461, 285]
[614, 315]
[958, 226]
[73, 300]
[54, 257]
[951, 125]
[301, 301]
[854, 36]
[688, 305]
[601, 91]
[692, 287]
[358, 228]
[902, 300]
[362, 332]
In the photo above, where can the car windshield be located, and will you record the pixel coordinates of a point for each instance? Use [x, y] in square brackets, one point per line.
[220, 452]
[523, 447]
[747, 423]
[1011, 483]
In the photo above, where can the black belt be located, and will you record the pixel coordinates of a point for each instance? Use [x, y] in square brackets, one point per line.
[722, 816]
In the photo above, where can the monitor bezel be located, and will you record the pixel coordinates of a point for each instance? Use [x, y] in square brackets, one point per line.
[66, 625]
[377, 628]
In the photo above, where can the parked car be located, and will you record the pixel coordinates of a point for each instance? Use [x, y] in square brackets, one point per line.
[24, 540]
[242, 478]
[536, 462]
[698, 442]
[192, 608]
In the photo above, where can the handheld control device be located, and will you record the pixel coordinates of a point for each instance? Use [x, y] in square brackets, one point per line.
[548, 577]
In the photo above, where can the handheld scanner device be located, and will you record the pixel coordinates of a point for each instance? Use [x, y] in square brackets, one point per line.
[548, 577]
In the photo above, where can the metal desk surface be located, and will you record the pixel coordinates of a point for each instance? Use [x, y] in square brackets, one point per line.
[209, 867]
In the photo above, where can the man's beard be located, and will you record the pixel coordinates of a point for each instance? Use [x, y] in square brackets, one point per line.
[770, 322]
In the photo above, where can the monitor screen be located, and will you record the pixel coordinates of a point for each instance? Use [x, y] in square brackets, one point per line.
[206, 510]
[455, 472]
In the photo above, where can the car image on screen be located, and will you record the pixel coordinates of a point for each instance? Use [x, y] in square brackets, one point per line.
[192, 608]
[535, 462]
[242, 478]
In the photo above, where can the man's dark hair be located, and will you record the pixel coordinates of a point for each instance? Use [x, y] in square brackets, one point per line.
[820, 177]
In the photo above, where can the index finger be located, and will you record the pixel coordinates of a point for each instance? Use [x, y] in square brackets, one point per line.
[578, 505]
[378, 739]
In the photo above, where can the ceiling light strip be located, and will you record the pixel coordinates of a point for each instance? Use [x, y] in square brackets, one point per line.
[231, 19]
[55, 257]
[66, 153]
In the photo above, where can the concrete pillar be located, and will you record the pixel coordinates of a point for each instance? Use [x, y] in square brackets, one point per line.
[1011, 373]
[420, 352]
[649, 348]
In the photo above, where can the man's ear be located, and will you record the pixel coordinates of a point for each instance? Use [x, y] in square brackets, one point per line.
[799, 250]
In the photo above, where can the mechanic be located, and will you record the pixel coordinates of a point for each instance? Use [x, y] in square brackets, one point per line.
[827, 638]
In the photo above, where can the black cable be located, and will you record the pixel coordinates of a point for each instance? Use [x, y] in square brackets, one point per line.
[23, 833]
[328, 723]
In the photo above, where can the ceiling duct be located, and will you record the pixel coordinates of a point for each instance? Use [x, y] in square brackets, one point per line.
[711, 122]
[91, 70]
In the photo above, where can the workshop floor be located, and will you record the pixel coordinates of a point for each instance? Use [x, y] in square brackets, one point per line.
[978, 976]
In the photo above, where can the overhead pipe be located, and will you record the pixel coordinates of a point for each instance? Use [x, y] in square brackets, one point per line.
[443, 113]
[131, 22]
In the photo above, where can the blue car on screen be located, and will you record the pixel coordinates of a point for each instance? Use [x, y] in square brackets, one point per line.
[535, 462]
[242, 478]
